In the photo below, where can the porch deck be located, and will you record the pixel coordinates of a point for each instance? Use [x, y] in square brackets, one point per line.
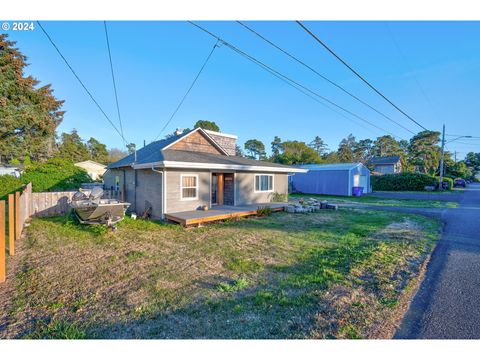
[196, 217]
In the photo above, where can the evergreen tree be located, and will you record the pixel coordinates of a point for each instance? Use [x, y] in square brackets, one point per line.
[239, 151]
[98, 151]
[386, 146]
[297, 152]
[256, 149]
[424, 152]
[207, 125]
[72, 147]
[362, 150]
[29, 114]
[276, 144]
[131, 148]
[319, 146]
[346, 149]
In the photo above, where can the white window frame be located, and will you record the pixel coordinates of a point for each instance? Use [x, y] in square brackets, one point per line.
[188, 187]
[263, 191]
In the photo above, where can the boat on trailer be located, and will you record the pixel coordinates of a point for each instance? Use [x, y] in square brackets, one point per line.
[89, 208]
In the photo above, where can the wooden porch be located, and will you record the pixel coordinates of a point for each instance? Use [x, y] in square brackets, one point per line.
[197, 217]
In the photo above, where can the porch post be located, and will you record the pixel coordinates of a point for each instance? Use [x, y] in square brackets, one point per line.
[220, 188]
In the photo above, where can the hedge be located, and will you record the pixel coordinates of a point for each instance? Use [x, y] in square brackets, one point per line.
[9, 184]
[401, 182]
[55, 175]
[447, 180]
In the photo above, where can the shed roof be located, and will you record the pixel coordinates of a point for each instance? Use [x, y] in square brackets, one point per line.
[339, 166]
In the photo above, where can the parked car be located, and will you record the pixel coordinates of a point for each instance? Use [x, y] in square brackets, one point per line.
[459, 182]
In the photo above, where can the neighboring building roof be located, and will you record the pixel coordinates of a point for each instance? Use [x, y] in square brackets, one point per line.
[384, 160]
[9, 166]
[90, 162]
[339, 166]
[157, 154]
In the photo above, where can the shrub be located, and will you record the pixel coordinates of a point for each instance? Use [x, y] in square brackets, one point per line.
[55, 175]
[446, 180]
[401, 182]
[9, 184]
[264, 211]
[277, 197]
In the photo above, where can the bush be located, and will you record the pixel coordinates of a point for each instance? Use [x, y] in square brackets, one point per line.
[9, 184]
[55, 175]
[401, 182]
[446, 180]
[277, 197]
[264, 211]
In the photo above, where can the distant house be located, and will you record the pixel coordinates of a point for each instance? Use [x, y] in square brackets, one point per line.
[94, 169]
[12, 170]
[386, 164]
[188, 171]
[332, 179]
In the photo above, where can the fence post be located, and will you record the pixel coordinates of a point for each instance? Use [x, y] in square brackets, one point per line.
[18, 223]
[3, 263]
[11, 226]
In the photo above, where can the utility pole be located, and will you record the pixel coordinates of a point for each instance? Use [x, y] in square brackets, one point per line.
[455, 156]
[440, 185]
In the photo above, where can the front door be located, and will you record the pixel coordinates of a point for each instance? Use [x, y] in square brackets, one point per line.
[223, 189]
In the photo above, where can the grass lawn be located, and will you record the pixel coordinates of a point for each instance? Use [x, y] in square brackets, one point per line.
[373, 200]
[343, 274]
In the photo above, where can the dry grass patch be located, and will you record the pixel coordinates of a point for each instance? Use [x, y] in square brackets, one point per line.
[319, 275]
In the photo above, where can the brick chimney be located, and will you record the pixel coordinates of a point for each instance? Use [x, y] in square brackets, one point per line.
[226, 141]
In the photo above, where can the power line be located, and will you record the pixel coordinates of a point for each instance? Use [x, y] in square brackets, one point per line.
[285, 78]
[79, 80]
[358, 75]
[469, 137]
[113, 77]
[323, 76]
[189, 89]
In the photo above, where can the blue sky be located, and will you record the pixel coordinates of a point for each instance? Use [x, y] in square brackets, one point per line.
[429, 69]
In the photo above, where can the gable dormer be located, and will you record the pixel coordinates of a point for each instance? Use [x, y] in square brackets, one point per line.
[197, 140]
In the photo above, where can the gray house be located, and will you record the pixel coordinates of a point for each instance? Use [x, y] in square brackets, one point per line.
[194, 169]
[386, 164]
[332, 179]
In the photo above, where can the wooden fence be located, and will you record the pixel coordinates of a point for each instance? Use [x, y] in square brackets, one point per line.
[21, 206]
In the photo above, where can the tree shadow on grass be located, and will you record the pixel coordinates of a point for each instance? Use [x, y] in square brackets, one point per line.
[282, 301]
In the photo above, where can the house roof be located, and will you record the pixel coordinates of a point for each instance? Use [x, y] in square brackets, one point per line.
[384, 160]
[157, 154]
[90, 162]
[339, 166]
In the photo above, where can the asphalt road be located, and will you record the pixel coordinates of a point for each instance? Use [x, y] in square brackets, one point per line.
[447, 305]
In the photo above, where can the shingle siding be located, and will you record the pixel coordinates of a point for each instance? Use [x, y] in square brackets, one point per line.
[226, 142]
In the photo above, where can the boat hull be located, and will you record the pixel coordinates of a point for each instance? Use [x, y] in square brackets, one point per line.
[102, 212]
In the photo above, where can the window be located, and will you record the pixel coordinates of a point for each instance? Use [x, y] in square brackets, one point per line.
[117, 183]
[263, 183]
[189, 187]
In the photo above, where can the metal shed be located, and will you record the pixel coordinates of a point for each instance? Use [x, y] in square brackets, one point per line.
[331, 179]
